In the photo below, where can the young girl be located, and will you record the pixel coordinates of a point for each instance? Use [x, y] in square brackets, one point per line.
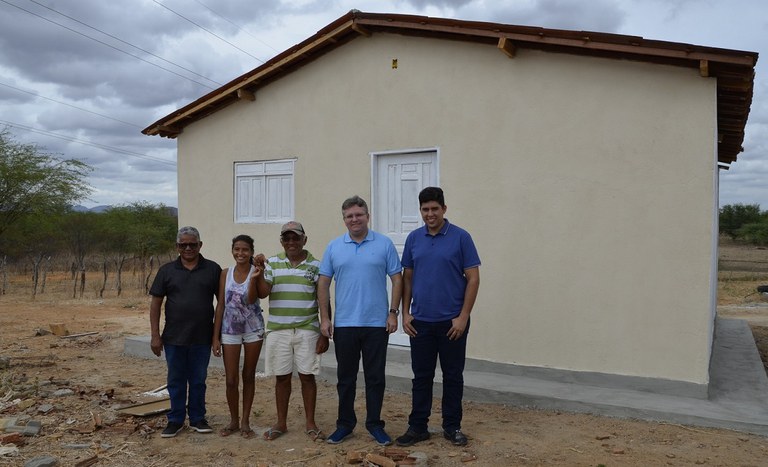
[237, 324]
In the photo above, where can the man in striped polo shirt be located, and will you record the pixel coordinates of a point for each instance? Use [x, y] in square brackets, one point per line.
[293, 331]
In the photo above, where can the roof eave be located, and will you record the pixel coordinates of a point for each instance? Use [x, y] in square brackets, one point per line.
[733, 69]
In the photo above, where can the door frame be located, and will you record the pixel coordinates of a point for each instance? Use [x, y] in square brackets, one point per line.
[398, 338]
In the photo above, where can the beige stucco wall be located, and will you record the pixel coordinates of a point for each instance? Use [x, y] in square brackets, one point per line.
[588, 185]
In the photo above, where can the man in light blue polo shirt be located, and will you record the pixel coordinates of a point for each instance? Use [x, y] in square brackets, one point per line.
[441, 277]
[360, 261]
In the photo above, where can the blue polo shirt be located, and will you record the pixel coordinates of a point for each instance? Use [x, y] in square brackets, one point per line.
[438, 263]
[360, 271]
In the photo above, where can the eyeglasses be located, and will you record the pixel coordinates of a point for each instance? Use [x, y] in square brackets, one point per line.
[184, 246]
[291, 238]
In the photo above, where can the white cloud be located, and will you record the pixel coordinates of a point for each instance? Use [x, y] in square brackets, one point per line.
[39, 56]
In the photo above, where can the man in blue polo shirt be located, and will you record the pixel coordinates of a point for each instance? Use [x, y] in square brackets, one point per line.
[360, 261]
[441, 277]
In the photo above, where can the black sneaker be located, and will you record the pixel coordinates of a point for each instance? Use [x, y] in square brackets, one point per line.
[411, 437]
[457, 438]
[172, 430]
[201, 426]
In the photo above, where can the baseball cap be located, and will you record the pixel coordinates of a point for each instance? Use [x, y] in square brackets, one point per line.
[292, 226]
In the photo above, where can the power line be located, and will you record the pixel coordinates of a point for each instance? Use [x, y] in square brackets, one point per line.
[70, 105]
[208, 31]
[126, 43]
[108, 45]
[88, 143]
[239, 28]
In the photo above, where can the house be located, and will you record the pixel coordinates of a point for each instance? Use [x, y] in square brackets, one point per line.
[584, 164]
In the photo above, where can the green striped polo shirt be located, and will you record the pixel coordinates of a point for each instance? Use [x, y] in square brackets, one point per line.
[293, 299]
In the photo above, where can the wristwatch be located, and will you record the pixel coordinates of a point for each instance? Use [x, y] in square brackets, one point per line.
[395, 311]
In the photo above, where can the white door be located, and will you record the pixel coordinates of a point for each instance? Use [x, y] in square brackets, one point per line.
[398, 177]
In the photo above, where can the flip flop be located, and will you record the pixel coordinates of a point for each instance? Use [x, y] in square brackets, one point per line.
[226, 431]
[272, 434]
[247, 434]
[316, 434]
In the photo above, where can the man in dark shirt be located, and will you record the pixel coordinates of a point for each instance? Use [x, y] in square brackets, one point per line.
[188, 286]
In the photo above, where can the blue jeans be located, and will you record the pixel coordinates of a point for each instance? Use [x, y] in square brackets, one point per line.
[350, 343]
[431, 342]
[187, 369]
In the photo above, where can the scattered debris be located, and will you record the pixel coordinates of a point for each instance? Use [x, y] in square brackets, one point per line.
[32, 428]
[30, 361]
[87, 462]
[72, 336]
[161, 391]
[355, 457]
[59, 329]
[11, 438]
[146, 409]
[9, 451]
[42, 461]
[418, 459]
[379, 460]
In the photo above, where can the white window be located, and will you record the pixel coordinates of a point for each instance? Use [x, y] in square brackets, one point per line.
[264, 192]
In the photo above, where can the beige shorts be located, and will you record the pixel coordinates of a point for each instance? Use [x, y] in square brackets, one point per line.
[289, 349]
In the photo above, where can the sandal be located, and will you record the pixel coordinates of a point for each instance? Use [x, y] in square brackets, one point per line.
[272, 434]
[226, 431]
[315, 434]
[247, 434]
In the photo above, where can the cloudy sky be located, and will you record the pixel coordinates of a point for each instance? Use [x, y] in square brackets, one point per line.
[81, 79]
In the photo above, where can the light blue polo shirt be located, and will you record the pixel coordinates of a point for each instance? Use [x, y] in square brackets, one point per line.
[360, 271]
[438, 263]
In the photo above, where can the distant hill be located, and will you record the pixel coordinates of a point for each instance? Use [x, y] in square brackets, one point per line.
[105, 207]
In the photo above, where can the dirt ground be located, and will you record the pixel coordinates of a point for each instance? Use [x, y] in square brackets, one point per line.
[74, 386]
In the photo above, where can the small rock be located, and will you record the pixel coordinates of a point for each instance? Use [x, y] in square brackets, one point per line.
[42, 461]
[355, 457]
[25, 404]
[9, 451]
[32, 428]
[11, 438]
[63, 392]
[380, 460]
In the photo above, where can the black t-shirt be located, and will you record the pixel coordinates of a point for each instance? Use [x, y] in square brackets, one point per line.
[188, 297]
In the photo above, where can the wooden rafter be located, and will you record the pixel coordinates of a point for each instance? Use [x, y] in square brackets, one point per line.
[506, 46]
[582, 42]
[246, 95]
[704, 68]
[361, 30]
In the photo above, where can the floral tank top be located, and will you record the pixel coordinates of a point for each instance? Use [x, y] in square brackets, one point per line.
[240, 318]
